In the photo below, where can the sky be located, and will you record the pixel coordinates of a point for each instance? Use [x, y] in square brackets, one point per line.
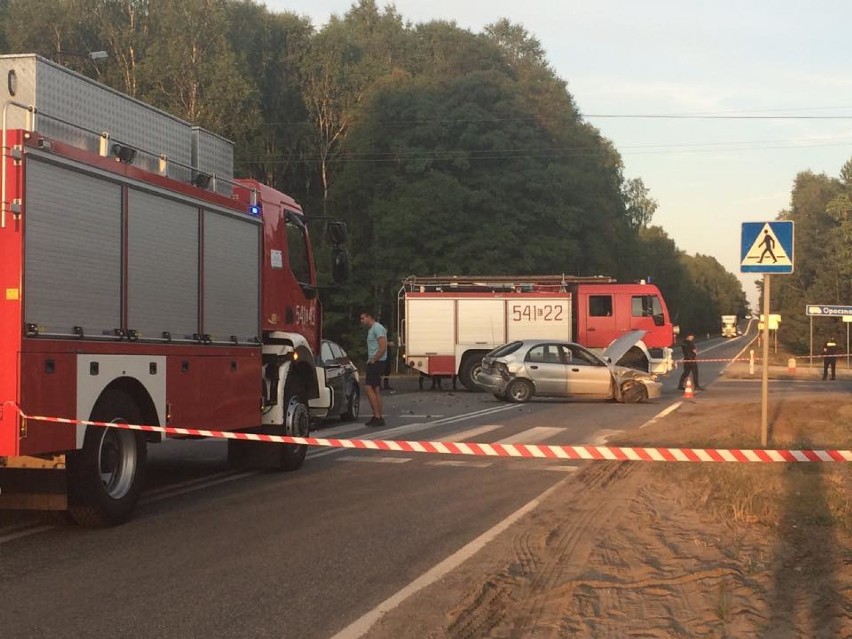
[779, 73]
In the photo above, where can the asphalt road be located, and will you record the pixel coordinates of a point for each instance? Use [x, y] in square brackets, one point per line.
[218, 553]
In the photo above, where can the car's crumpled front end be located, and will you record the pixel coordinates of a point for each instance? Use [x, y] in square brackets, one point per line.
[627, 377]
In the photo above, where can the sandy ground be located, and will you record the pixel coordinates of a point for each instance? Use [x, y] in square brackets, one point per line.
[670, 550]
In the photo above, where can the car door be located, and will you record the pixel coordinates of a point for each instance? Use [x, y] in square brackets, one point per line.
[545, 367]
[334, 375]
[587, 375]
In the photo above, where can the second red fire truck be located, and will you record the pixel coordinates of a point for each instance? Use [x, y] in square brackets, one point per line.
[449, 323]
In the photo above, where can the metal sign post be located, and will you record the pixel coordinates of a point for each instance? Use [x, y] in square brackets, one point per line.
[766, 247]
[764, 379]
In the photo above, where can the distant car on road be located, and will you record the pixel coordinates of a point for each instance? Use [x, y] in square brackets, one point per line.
[520, 370]
[343, 378]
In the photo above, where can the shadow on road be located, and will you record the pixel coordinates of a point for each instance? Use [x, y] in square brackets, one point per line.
[805, 596]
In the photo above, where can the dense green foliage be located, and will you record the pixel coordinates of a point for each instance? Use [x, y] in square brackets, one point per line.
[821, 209]
[445, 151]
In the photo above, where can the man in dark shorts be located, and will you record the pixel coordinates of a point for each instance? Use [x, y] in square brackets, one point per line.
[377, 352]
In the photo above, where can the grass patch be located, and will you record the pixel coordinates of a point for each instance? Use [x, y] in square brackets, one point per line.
[786, 495]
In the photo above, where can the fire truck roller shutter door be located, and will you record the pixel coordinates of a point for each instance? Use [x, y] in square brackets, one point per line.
[231, 278]
[162, 268]
[72, 270]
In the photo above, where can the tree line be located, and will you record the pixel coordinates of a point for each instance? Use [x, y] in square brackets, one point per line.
[445, 151]
[821, 210]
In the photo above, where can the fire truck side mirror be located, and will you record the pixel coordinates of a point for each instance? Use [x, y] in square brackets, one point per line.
[309, 291]
[339, 264]
[336, 233]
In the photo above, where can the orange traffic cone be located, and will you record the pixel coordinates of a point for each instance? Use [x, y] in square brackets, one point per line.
[687, 389]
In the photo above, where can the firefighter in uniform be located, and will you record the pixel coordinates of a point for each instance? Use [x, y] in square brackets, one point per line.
[829, 358]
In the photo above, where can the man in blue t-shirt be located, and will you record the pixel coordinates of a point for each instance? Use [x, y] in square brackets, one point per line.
[377, 352]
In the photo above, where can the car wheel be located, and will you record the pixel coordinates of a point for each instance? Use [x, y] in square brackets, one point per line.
[519, 391]
[353, 405]
[633, 393]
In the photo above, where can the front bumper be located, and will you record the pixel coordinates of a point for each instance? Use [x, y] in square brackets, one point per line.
[655, 389]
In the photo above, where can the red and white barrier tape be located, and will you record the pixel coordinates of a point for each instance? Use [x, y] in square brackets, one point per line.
[759, 359]
[538, 451]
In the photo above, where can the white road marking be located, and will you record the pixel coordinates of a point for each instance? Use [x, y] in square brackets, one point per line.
[460, 463]
[661, 414]
[376, 460]
[359, 627]
[394, 433]
[468, 435]
[189, 482]
[25, 533]
[215, 480]
[531, 435]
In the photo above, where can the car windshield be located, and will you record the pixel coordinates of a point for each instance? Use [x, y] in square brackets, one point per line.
[505, 349]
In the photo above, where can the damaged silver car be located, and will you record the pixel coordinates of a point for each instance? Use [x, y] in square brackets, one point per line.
[523, 369]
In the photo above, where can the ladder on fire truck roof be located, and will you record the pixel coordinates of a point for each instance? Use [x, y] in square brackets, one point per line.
[494, 283]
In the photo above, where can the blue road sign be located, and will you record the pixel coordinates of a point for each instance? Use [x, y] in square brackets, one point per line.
[766, 247]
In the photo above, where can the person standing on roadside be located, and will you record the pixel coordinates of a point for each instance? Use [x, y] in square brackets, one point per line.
[377, 352]
[690, 365]
[829, 358]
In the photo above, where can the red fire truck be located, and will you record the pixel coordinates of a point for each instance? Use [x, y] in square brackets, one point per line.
[449, 323]
[140, 283]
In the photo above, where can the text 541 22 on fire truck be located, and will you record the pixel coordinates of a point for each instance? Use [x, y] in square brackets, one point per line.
[141, 283]
[449, 323]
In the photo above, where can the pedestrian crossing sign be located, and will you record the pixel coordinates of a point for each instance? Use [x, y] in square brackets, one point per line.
[766, 247]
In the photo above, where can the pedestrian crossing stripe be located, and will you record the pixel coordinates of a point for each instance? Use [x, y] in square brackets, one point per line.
[767, 250]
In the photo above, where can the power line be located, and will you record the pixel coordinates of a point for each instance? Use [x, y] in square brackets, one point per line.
[659, 116]
[722, 115]
[514, 154]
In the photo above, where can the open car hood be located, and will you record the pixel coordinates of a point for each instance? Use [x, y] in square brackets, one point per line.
[618, 347]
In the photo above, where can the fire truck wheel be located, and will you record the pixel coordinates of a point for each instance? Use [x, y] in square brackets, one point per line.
[633, 392]
[353, 405]
[469, 369]
[105, 477]
[519, 391]
[297, 423]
